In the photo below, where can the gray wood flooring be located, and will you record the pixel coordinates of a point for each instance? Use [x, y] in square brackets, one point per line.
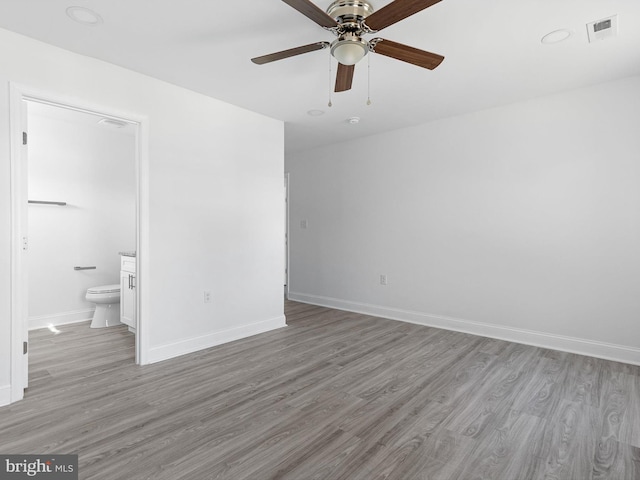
[335, 395]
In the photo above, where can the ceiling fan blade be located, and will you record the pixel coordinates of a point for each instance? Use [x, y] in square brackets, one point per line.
[344, 78]
[292, 52]
[311, 11]
[396, 11]
[406, 54]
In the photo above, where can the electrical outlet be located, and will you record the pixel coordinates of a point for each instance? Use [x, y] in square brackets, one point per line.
[383, 279]
[207, 296]
[303, 224]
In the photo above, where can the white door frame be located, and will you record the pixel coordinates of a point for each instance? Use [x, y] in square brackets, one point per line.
[19, 293]
[287, 266]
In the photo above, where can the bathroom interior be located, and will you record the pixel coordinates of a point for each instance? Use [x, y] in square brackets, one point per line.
[81, 219]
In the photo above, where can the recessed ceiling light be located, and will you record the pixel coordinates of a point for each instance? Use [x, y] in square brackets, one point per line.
[315, 113]
[556, 36]
[84, 16]
[353, 120]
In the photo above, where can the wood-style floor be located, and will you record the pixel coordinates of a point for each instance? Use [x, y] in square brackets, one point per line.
[335, 395]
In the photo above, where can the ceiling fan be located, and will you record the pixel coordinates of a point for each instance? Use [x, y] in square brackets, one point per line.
[350, 20]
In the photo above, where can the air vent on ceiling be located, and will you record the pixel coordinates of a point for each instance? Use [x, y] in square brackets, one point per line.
[603, 29]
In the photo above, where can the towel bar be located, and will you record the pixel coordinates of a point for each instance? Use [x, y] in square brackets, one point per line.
[43, 202]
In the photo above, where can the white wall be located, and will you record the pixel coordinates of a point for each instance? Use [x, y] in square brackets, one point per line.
[91, 167]
[520, 222]
[214, 206]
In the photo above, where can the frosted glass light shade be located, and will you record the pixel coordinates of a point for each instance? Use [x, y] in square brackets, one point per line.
[349, 52]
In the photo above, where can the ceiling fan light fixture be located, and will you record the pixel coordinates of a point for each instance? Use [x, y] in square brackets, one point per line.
[349, 50]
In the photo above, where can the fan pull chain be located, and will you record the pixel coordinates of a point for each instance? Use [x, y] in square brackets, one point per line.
[368, 79]
[330, 78]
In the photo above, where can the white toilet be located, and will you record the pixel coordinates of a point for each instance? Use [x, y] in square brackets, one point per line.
[107, 300]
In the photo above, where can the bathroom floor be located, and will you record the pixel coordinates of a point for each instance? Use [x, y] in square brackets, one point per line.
[75, 353]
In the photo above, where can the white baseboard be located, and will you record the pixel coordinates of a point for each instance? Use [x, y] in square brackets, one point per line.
[183, 347]
[5, 395]
[62, 318]
[607, 351]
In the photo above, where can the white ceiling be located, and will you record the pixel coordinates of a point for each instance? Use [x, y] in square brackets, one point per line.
[493, 55]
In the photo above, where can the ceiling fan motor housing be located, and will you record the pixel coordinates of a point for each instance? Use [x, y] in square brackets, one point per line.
[347, 12]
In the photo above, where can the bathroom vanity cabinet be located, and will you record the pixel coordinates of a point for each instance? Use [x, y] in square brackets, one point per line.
[128, 291]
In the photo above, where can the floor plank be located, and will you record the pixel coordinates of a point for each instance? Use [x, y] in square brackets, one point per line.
[336, 395]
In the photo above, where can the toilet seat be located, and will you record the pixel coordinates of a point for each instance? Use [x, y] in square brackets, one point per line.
[115, 288]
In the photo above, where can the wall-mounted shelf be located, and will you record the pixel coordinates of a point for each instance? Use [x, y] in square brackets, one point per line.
[43, 202]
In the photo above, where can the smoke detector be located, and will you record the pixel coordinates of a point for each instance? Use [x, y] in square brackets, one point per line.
[603, 29]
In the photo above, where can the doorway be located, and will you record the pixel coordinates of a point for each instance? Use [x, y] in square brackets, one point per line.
[54, 210]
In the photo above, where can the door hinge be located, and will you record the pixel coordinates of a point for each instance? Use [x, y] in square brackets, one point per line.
[24, 138]
[25, 348]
